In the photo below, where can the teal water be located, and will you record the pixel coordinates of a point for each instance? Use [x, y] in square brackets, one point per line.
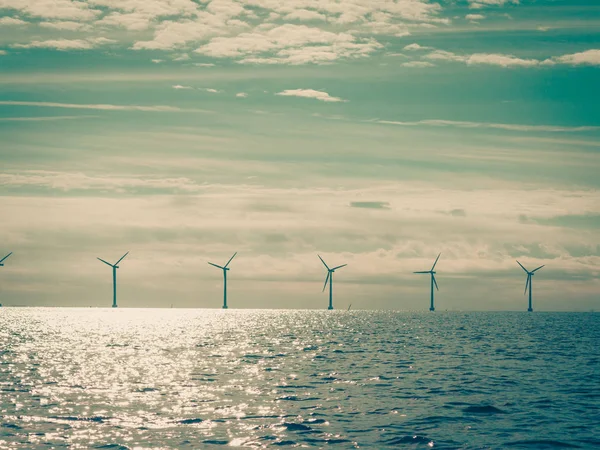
[176, 378]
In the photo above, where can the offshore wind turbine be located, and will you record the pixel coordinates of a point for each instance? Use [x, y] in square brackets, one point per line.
[529, 281]
[114, 266]
[224, 269]
[2, 260]
[330, 280]
[432, 273]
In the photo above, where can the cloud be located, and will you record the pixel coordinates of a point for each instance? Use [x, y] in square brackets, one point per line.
[65, 25]
[43, 118]
[241, 95]
[2, 52]
[7, 21]
[414, 47]
[477, 4]
[370, 205]
[52, 9]
[58, 44]
[499, 126]
[157, 61]
[588, 57]
[305, 14]
[290, 44]
[500, 60]
[211, 90]
[204, 65]
[103, 107]
[67, 44]
[179, 86]
[474, 17]
[310, 93]
[418, 64]
[441, 55]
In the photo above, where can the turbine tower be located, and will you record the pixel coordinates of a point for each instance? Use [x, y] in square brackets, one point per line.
[2, 260]
[432, 272]
[224, 269]
[529, 281]
[330, 280]
[114, 266]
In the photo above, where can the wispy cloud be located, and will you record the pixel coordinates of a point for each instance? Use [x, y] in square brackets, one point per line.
[179, 86]
[418, 64]
[499, 126]
[67, 44]
[241, 95]
[7, 21]
[370, 205]
[104, 107]
[43, 118]
[310, 93]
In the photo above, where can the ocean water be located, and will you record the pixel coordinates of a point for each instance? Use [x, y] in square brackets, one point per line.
[176, 378]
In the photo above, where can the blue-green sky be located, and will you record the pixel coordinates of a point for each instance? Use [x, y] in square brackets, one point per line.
[376, 133]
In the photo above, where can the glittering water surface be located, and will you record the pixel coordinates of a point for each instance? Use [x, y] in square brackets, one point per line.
[156, 378]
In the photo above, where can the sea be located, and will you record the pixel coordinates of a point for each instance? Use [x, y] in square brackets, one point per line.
[201, 379]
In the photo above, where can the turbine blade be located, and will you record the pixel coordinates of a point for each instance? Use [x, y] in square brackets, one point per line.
[323, 262]
[222, 268]
[527, 283]
[522, 267]
[339, 267]
[106, 262]
[436, 260]
[531, 271]
[230, 259]
[326, 280]
[423, 272]
[121, 258]
[5, 257]
[435, 282]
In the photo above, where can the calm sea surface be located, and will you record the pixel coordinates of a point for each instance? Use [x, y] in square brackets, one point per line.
[175, 378]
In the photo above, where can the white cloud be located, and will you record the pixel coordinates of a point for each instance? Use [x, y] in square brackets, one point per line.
[241, 95]
[441, 55]
[477, 4]
[6, 21]
[179, 86]
[500, 126]
[305, 14]
[181, 57]
[310, 93]
[157, 61]
[588, 57]
[52, 9]
[211, 90]
[500, 60]
[67, 44]
[292, 44]
[65, 25]
[3, 52]
[204, 64]
[58, 44]
[415, 46]
[418, 64]
[103, 107]
[474, 17]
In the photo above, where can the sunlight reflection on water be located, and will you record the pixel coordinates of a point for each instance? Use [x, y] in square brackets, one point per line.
[173, 378]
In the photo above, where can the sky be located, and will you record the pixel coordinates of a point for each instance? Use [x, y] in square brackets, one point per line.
[377, 134]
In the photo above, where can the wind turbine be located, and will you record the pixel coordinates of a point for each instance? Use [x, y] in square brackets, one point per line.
[432, 272]
[114, 266]
[2, 260]
[224, 269]
[529, 281]
[330, 280]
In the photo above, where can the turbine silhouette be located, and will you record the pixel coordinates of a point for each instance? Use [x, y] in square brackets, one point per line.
[330, 280]
[224, 269]
[114, 266]
[2, 260]
[432, 272]
[529, 281]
